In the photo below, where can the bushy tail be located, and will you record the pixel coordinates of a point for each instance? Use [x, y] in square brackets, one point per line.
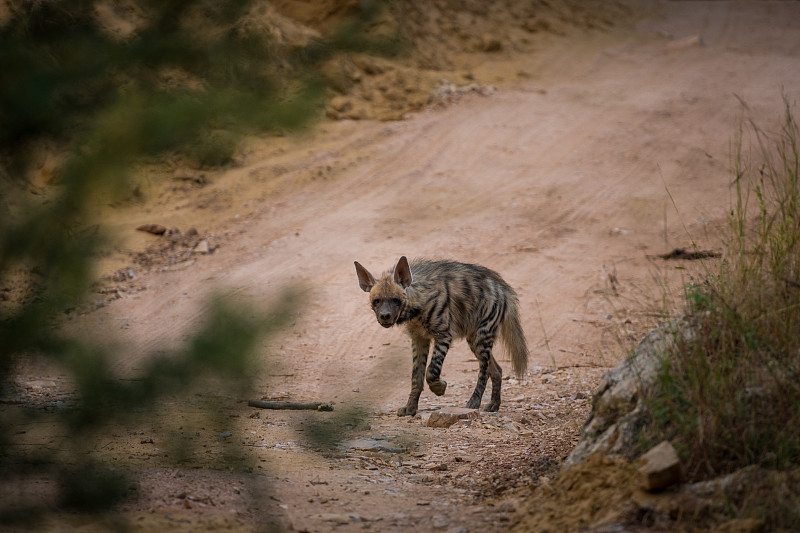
[514, 339]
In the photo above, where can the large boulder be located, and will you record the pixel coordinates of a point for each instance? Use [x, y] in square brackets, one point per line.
[618, 409]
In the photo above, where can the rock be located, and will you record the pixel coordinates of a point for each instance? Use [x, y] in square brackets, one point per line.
[202, 247]
[155, 229]
[439, 420]
[733, 483]
[447, 416]
[660, 468]
[618, 407]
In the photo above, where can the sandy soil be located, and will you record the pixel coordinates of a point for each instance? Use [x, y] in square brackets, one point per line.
[613, 149]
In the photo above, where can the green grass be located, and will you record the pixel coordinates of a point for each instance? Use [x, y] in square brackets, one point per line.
[730, 395]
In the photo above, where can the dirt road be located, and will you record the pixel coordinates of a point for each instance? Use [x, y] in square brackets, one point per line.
[615, 149]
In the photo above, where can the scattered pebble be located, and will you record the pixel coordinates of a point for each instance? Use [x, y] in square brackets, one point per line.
[155, 229]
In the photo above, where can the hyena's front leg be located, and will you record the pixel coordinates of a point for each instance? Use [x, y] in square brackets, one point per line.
[440, 348]
[420, 346]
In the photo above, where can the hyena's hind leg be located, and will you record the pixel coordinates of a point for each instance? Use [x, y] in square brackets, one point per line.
[481, 346]
[420, 346]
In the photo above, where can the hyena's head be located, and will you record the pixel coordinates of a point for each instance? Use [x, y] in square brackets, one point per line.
[387, 295]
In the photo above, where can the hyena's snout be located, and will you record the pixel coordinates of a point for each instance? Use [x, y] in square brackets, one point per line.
[387, 314]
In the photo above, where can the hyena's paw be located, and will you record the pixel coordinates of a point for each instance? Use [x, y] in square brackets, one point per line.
[492, 407]
[437, 387]
[408, 410]
[474, 403]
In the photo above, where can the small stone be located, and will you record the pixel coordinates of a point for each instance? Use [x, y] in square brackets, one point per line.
[440, 420]
[226, 434]
[447, 416]
[155, 229]
[660, 468]
[202, 247]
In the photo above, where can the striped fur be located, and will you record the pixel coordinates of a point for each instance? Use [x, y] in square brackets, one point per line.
[440, 302]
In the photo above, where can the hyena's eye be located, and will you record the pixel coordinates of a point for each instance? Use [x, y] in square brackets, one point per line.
[396, 301]
[375, 302]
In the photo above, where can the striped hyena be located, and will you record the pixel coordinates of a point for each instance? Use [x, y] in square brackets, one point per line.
[442, 301]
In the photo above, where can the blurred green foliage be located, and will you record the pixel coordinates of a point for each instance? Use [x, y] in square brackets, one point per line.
[191, 77]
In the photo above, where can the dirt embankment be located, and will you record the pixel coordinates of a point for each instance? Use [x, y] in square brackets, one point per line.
[452, 48]
[563, 181]
[447, 49]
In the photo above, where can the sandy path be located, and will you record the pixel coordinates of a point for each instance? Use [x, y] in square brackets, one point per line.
[557, 184]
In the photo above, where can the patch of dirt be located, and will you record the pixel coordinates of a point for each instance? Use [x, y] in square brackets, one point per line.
[175, 248]
[595, 493]
[564, 180]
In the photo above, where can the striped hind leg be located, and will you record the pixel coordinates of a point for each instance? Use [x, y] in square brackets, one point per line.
[481, 346]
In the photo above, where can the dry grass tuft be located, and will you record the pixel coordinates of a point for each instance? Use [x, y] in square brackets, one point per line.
[730, 396]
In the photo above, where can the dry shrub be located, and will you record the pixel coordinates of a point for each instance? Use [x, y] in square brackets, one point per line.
[730, 395]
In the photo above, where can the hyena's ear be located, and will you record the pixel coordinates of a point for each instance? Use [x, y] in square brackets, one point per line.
[402, 273]
[365, 279]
